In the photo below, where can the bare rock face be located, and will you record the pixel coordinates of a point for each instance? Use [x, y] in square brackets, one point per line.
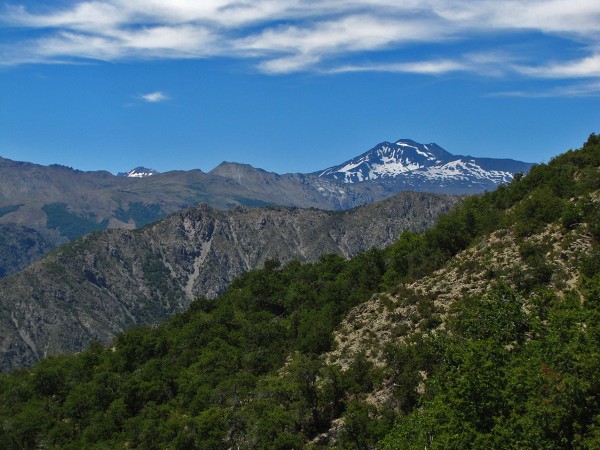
[101, 284]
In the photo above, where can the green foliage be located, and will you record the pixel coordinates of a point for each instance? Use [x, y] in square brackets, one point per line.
[4, 210]
[69, 224]
[156, 274]
[508, 378]
[141, 213]
[536, 271]
[208, 377]
[536, 210]
[361, 430]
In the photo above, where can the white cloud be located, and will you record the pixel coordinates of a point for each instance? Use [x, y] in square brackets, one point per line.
[292, 48]
[284, 36]
[434, 67]
[590, 89]
[289, 64]
[489, 64]
[154, 97]
[583, 68]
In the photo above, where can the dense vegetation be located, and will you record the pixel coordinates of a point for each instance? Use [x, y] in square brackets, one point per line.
[4, 210]
[141, 213]
[190, 379]
[514, 368]
[511, 377]
[69, 224]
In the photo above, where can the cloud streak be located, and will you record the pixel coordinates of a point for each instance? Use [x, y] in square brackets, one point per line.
[154, 97]
[585, 89]
[331, 36]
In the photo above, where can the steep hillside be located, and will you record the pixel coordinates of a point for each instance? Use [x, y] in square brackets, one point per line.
[20, 246]
[464, 356]
[104, 283]
[480, 332]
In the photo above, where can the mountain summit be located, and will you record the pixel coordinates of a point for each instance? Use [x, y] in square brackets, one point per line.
[138, 172]
[414, 165]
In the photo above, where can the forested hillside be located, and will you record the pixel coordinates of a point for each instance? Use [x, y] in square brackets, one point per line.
[481, 332]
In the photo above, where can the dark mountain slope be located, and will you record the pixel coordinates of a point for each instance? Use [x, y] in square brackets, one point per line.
[20, 246]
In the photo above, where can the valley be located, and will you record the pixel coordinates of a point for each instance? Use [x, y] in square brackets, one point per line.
[299, 225]
[480, 331]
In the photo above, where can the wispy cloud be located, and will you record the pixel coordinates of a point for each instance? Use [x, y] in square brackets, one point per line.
[285, 36]
[583, 68]
[154, 97]
[433, 67]
[586, 89]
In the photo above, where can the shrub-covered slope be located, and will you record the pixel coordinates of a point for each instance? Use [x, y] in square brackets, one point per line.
[485, 334]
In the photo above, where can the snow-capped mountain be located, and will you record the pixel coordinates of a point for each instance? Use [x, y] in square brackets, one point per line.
[138, 172]
[407, 164]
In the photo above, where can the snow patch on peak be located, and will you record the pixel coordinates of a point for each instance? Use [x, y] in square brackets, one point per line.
[414, 164]
[138, 172]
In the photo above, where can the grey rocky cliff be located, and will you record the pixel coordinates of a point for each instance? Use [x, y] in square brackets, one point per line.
[106, 282]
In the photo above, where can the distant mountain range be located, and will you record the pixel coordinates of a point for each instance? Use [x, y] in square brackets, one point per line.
[59, 203]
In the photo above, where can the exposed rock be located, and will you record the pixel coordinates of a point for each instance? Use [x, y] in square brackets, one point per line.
[106, 282]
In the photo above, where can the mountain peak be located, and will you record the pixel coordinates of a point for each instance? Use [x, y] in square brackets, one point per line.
[230, 169]
[418, 166]
[138, 172]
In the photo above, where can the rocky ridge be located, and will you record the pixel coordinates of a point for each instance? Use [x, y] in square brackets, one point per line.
[106, 282]
[498, 257]
[62, 203]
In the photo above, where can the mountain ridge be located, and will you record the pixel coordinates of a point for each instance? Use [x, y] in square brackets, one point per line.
[106, 282]
[138, 172]
[62, 203]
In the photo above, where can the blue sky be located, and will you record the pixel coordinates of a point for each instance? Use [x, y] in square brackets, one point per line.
[293, 85]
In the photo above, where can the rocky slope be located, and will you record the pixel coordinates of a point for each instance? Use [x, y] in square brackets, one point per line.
[106, 282]
[392, 316]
